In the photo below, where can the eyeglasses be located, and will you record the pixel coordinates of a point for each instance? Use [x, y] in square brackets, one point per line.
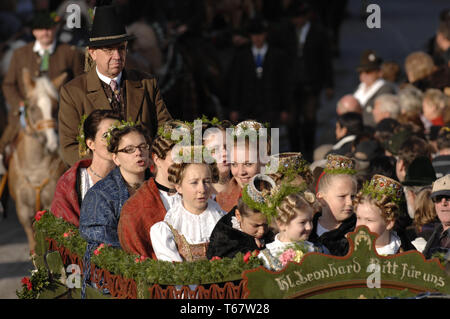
[438, 199]
[110, 50]
[130, 149]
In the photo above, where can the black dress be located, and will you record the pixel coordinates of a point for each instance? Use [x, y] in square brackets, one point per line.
[335, 239]
[226, 241]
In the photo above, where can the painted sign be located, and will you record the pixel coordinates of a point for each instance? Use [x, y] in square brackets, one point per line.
[362, 273]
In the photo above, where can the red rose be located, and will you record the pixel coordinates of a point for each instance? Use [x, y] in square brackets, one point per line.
[255, 253]
[39, 214]
[26, 281]
[247, 256]
[143, 258]
[215, 258]
[96, 252]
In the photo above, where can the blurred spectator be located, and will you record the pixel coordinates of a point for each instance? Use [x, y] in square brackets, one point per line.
[384, 165]
[386, 106]
[384, 130]
[410, 99]
[257, 86]
[425, 218]
[390, 71]
[439, 44]
[372, 85]
[348, 126]
[441, 162]
[307, 45]
[348, 103]
[433, 106]
[412, 148]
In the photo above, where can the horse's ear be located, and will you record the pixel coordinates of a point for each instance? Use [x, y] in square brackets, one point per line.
[28, 81]
[59, 80]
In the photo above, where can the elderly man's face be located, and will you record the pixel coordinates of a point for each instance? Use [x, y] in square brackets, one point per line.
[442, 206]
[369, 77]
[110, 60]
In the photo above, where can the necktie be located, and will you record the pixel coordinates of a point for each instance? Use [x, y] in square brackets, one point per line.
[258, 60]
[44, 62]
[115, 89]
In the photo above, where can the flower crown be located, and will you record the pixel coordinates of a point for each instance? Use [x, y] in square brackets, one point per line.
[81, 138]
[290, 164]
[249, 126]
[214, 122]
[266, 201]
[339, 164]
[380, 186]
[166, 130]
[118, 125]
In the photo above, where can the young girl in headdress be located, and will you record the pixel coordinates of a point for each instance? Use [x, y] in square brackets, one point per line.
[294, 222]
[245, 228]
[336, 188]
[152, 201]
[245, 162]
[376, 205]
[185, 232]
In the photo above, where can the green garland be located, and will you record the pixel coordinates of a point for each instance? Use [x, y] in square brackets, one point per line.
[33, 285]
[348, 171]
[146, 271]
[118, 125]
[271, 202]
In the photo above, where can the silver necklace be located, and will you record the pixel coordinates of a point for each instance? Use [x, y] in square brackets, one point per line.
[92, 171]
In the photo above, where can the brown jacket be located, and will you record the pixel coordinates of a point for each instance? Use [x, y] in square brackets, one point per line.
[85, 93]
[65, 58]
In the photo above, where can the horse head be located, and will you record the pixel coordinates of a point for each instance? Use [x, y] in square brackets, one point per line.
[41, 107]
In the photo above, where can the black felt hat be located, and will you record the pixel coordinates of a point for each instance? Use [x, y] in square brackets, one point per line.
[44, 19]
[420, 172]
[107, 28]
[369, 61]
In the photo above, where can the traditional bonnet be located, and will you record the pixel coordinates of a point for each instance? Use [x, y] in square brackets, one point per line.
[249, 126]
[266, 200]
[380, 186]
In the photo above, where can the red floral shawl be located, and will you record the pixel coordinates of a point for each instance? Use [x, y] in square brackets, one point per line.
[65, 201]
[138, 214]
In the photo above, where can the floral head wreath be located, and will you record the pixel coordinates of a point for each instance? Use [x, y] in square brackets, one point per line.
[339, 164]
[380, 186]
[246, 127]
[266, 201]
[291, 164]
[118, 125]
[166, 130]
[214, 122]
[81, 138]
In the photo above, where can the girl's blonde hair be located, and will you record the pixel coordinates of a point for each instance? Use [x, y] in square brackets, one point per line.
[326, 180]
[389, 209]
[295, 204]
[176, 172]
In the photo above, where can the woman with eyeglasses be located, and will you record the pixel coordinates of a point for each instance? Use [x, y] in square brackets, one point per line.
[73, 185]
[100, 210]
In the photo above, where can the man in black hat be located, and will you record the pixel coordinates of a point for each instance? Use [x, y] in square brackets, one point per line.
[371, 84]
[257, 86]
[134, 95]
[310, 71]
[44, 56]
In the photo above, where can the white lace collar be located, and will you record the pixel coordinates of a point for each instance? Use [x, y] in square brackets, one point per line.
[363, 94]
[391, 248]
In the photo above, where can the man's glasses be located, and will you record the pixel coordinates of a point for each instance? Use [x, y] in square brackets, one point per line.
[438, 199]
[110, 50]
[131, 148]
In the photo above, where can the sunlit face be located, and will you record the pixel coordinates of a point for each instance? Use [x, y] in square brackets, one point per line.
[298, 228]
[253, 224]
[98, 146]
[369, 215]
[216, 144]
[196, 188]
[110, 60]
[244, 165]
[45, 36]
[338, 197]
[429, 109]
[136, 162]
[442, 206]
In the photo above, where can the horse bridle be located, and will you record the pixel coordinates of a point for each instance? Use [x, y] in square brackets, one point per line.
[40, 125]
